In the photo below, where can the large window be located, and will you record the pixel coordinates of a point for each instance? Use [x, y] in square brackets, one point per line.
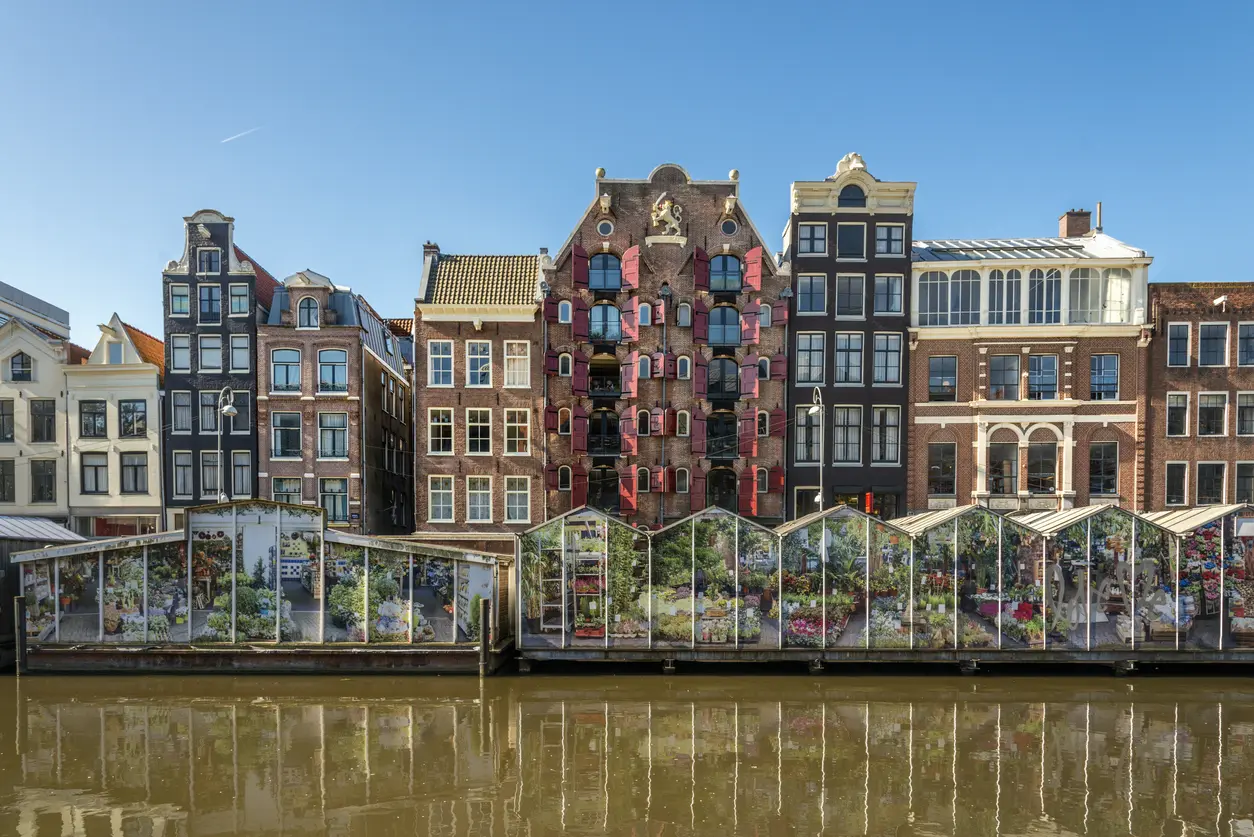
[210, 304]
[888, 294]
[333, 497]
[1177, 488]
[479, 432]
[1042, 377]
[1211, 477]
[440, 430]
[517, 500]
[8, 481]
[942, 378]
[440, 499]
[1045, 297]
[605, 324]
[1177, 414]
[847, 435]
[1177, 344]
[209, 474]
[605, 272]
[182, 419]
[43, 480]
[208, 412]
[1099, 296]
[1003, 378]
[332, 370]
[851, 241]
[478, 499]
[724, 326]
[1104, 468]
[239, 300]
[1003, 468]
[286, 490]
[724, 378]
[1245, 413]
[887, 365]
[286, 429]
[812, 293]
[208, 260]
[851, 195]
[849, 301]
[890, 239]
[964, 297]
[440, 363]
[517, 363]
[6, 420]
[20, 367]
[333, 435]
[886, 434]
[517, 432]
[725, 274]
[848, 352]
[1245, 482]
[1042, 467]
[95, 468]
[1245, 344]
[1104, 377]
[1212, 414]
[182, 473]
[239, 353]
[43, 420]
[812, 239]
[179, 304]
[285, 370]
[1004, 301]
[479, 363]
[210, 355]
[308, 313]
[810, 352]
[933, 298]
[807, 436]
[1212, 344]
[135, 473]
[92, 423]
[241, 473]
[941, 459]
[180, 352]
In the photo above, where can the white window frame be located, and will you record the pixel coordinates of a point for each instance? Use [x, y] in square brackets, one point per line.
[1236, 478]
[1227, 404]
[1188, 345]
[861, 315]
[683, 368]
[836, 335]
[452, 425]
[300, 371]
[570, 477]
[452, 365]
[218, 473]
[888, 335]
[758, 423]
[229, 296]
[1188, 409]
[247, 406]
[642, 428]
[346, 494]
[174, 367]
[240, 495]
[1167, 481]
[466, 414]
[822, 366]
[452, 497]
[300, 431]
[300, 494]
[565, 312]
[871, 455]
[1114, 442]
[188, 293]
[648, 479]
[315, 327]
[526, 492]
[765, 314]
[570, 421]
[830, 416]
[174, 472]
[798, 491]
[525, 424]
[525, 357]
[200, 354]
[1197, 480]
[901, 295]
[687, 424]
[318, 371]
[487, 477]
[687, 485]
[200, 250]
[904, 243]
[822, 277]
[836, 251]
[221, 317]
[345, 428]
[1227, 345]
[466, 353]
[644, 315]
[1243, 324]
[198, 404]
[762, 479]
[247, 353]
[191, 405]
[679, 309]
[570, 365]
[1237, 414]
[826, 238]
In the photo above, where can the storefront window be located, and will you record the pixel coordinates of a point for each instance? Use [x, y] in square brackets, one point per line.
[79, 596]
[211, 585]
[167, 593]
[123, 618]
[433, 600]
[390, 606]
[346, 594]
[672, 587]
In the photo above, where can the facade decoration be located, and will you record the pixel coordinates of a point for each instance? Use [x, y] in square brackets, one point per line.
[667, 214]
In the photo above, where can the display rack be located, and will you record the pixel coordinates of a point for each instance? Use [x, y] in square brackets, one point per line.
[585, 541]
[552, 603]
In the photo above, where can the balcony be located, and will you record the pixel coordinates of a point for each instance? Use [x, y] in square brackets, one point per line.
[604, 386]
[604, 444]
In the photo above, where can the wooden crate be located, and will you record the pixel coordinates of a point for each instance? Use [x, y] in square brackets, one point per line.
[1160, 631]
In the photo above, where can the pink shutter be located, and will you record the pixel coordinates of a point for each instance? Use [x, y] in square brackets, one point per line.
[700, 270]
[779, 367]
[579, 378]
[655, 421]
[627, 490]
[657, 364]
[669, 419]
[628, 446]
[579, 319]
[579, 430]
[748, 493]
[579, 266]
[657, 479]
[749, 325]
[700, 322]
[700, 375]
[777, 426]
[550, 419]
[631, 267]
[578, 486]
[659, 311]
[753, 269]
[670, 365]
[779, 312]
[628, 370]
[550, 362]
[696, 432]
[550, 477]
[775, 480]
[748, 434]
[696, 489]
[630, 319]
[749, 377]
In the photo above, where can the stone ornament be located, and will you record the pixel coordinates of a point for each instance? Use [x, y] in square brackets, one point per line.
[851, 162]
[667, 214]
[729, 206]
[605, 203]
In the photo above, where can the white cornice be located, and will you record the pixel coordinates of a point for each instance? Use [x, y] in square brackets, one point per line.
[482, 313]
[1023, 333]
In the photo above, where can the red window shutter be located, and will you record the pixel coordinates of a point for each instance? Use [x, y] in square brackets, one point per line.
[578, 486]
[670, 418]
[753, 269]
[696, 431]
[579, 430]
[669, 478]
[749, 326]
[655, 421]
[659, 311]
[550, 309]
[748, 492]
[696, 489]
[670, 365]
[700, 375]
[775, 480]
[579, 319]
[550, 362]
[627, 490]
[628, 370]
[779, 312]
[700, 322]
[749, 377]
[550, 477]
[579, 376]
[630, 319]
[748, 434]
[700, 269]
[550, 419]
[777, 420]
[631, 267]
[657, 479]
[779, 367]
[627, 432]
[657, 364]
[579, 265]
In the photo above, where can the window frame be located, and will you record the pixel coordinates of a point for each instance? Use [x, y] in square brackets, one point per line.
[243, 407]
[200, 251]
[1093, 394]
[811, 278]
[1092, 446]
[932, 482]
[452, 435]
[488, 492]
[525, 424]
[1040, 373]
[102, 412]
[1011, 479]
[231, 288]
[686, 485]
[51, 466]
[1250, 396]
[247, 367]
[761, 479]
[822, 364]
[321, 454]
[1188, 409]
[346, 493]
[1018, 378]
[332, 364]
[931, 393]
[565, 312]
[175, 349]
[205, 492]
[854, 430]
[568, 424]
[236, 492]
[683, 368]
[300, 372]
[200, 310]
[642, 480]
[49, 419]
[487, 424]
[466, 349]
[1199, 432]
[96, 471]
[1049, 278]
[1184, 483]
[1245, 324]
[683, 421]
[525, 357]
[300, 326]
[889, 337]
[1201, 327]
[888, 409]
[452, 497]
[1236, 469]
[1003, 284]
[813, 436]
[889, 254]
[275, 429]
[860, 258]
[187, 298]
[1197, 481]
[845, 369]
[299, 492]
[566, 362]
[1053, 443]
[191, 474]
[889, 295]
[1188, 345]
[431, 368]
[836, 312]
[526, 493]
[802, 241]
[200, 354]
[174, 408]
[565, 477]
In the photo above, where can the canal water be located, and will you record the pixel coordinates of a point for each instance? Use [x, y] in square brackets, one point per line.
[639, 756]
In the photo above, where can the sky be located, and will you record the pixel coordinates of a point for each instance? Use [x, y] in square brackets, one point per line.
[359, 131]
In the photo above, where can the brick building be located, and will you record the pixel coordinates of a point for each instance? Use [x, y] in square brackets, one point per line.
[333, 408]
[480, 397]
[847, 244]
[1028, 370]
[1200, 423]
[664, 342]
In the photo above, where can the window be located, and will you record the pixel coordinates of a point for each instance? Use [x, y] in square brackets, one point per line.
[208, 412]
[890, 239]
[681, 480]
[942, 378]
[764, 315]
[1245, 344]
[479, 432]
[208, 260]
[1003, 469]
[91, 420]
[812, 239]
[20, 367]
[95, 473]
[888, 294]
[1003, 372]
[1042, 464]
[764, 423]
[517, 433]
[8, 482]
[885, 434]
[564, 364]
[1045, 297]
[941, 467]
[179, 303]
[1177, 488]
[478, 499]
[115, 353]
[478, 363]
[133, 417]
[286, 429]
[564, 311]
[1245, 413]
[238, 300]
[964, 298]
[724, 379]
[851, 195]
[1177, 344]
[725, 274]
[517, 500]
[1104, 377]
[286, 490]
[43, 481]
[810, 357]
[847, 436]
[6, 420]
[605, 324]
[182, 473]
[605, 272]
[642, 480]
[683, 315]
[564, 475]
[1104, 468]
[210, 304]
[210, 356]
[180, 352]
[439, 431]
[285, 370]
[683, 368]
[307, 313]
[1212, 345]
[1245, 482]
[764, 369]
[241, 473]
[1177, 414]
[1212, 414]
[724, 326]
[887, 361]
[1003, 297]
[440, 359]
[642, 423]
[849, 296]
[761, 480]
[182, 412]
[934, 298]
[239, 353]
[605, 227]
[851, 241]
[812, 294]
[563, 421]
[333, 497]
[439, 499]
[43, 420]
[209, 474]
[807, 435]
[332, 370]
[1042, 377]
[682, 420]
[333, 435]
[1211, 477]
[517, 364]
[1099, 297]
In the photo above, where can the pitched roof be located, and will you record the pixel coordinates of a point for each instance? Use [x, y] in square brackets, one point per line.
[13, 527]
[1096, 246]
[482, 280]
[76, 354]
[266, 284]
[402, 326]
[150, 348]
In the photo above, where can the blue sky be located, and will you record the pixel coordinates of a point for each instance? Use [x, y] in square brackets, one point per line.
[479, 126]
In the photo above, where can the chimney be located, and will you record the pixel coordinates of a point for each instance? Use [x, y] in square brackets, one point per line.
[1074, 223]
[430, 249]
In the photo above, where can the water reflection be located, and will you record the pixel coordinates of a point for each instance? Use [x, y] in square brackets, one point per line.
[689, 756]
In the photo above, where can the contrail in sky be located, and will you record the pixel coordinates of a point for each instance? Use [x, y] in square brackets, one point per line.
[246, 133]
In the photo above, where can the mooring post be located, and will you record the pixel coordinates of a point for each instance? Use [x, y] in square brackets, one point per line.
[969, 666]
[485, 635]
[816, 666]
[668, 666]
[19, 632]
[1122, 668]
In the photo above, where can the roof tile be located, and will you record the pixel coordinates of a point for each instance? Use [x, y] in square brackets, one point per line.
[482, 280]
[150, 348]
[266, 284]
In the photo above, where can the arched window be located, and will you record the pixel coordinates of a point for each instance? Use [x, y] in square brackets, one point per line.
[605, 324]
[563, 421]
[644, 367]
[681, 423]
[642, 423]
[764, 369]
[934, 298]
[563, 478]
[683, 368]
[1004, 297]
[724, 326]
[725, 274]
[851, 195]
[308, 313]
[764, 423]
[605, 273]
[564, 365]
[1045, 296]
[681, 480]
[724, 379]
[646, 314]
[1118, 283]
[642, 480]
[20, 367]
[563, 311]
[764, 315]
[964, 297]
[760, 477]
[683, 315]
[1086, 296]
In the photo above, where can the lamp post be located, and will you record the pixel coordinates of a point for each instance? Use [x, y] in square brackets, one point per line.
[665, 293]
[226, 410]
[816, 409]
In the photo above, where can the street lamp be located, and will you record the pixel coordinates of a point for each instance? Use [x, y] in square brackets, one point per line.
[227, 410]
[816, 409]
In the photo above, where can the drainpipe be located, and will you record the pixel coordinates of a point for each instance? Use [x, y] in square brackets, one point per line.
[161, 470]
[362, 461]
[544, 388]
[665, 293]
[65, 395]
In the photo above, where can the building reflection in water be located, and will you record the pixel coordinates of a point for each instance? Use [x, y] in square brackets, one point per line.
[650, 758]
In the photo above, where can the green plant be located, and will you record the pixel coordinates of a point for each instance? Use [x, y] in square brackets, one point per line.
[474, 616]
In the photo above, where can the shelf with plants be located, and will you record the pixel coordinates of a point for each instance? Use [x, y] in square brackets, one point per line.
[586, 545]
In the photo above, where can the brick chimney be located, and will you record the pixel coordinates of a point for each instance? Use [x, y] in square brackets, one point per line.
[1074, 223]
[430, 249]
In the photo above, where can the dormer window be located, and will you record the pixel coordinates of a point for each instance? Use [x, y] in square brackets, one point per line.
[387, 344]
[851, 195]
[209, 260]
[115, 353]
[20, 367]
[307, 313]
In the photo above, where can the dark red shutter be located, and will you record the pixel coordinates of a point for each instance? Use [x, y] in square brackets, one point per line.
[670, 479]
[550, 477]
[777, 422]
[749, 377]
[630, 319]
[627, 432]
[657, 364]
[579, 378]
[579, 265]
[749, 326]
[779, 312]
[655, 421]
[579, 319]
[579, 430]
[753, 269]
[748, 492]
[669, 418]
[550, 419]
[700, 375]
[631, 267]
[779, 367]
[657, 479]
[700, 270]
[659, 311]
[628, 370]
[550, 309]
[627, 490]
[696, 489]
[550, 362]
[670, 365]
[749, 434]
[700, 322]
[578, 486]
[775, 480]
[696, 431]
